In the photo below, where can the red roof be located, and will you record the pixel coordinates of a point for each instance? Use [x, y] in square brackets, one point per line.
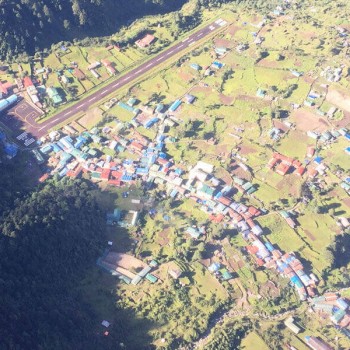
[283, 158]
[312, 172]
[282, 169]
[224, 201]
[3, 88]
[252, 249]
[75, 173]
[310, 151]
[106, 62]
[231, 212]
[296, 163]
[272, 162]
[260, 262]
[145, 41]
[250, 222]
[253, 211]
[300, 171]
[117, 174]
[105, 174]
[27, 82]
[162, 161]
[276, 253]
[136, 145]
[44, 177]
[246, 215]
[216, 218]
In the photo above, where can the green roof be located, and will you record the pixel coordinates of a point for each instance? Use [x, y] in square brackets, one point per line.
[153, 263]
[207, 190]
[54, 95]
[151, 278]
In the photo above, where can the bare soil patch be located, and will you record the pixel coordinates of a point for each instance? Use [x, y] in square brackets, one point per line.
[233, 29]
[223, 43]
[289, 182]
[346, 201]
[244, 150]
[343, 122]
[280, 125]
[339, 99]
[226, 100]
[91, 118]
[308, 121]
[310, 235]
[185, 76]
[269, 289]
[164, 237]
[266, 63]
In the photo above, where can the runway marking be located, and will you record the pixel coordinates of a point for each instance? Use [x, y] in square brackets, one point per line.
[21, 110]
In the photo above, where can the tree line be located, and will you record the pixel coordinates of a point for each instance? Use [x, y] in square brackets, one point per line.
[27, 26]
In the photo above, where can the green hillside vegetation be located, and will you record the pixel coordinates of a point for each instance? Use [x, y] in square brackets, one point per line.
[48, 242]
[46, 21]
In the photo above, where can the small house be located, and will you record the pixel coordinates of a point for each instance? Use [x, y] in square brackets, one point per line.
[145, 41]
[260, 93]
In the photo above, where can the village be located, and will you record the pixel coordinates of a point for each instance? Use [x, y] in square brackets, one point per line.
[228, 172]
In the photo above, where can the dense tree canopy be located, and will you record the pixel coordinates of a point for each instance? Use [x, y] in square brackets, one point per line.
[27, 25]
[47, 243]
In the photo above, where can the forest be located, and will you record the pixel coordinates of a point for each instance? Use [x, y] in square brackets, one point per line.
[50, 239]
[33, 25]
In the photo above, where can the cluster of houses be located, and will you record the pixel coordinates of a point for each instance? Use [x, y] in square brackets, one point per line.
[284, 165]
[333, 306]
[287, 265]
[126, 266]
[329, 136]
[109, 66]
[332, 74]
[316, 343]
[76, 154]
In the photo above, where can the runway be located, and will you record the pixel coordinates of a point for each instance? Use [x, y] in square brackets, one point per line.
[39, 130]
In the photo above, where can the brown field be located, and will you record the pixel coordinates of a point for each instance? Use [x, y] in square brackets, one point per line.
[339, 99]
[226, 100]
[91, 118]
[343, 122]
[306, 121]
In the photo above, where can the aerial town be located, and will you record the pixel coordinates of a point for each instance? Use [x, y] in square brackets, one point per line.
[220, 166]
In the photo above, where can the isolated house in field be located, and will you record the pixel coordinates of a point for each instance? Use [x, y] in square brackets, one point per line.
[109, 67]
[145, 41]
[190, 98]
[78, 74]
[260, 93]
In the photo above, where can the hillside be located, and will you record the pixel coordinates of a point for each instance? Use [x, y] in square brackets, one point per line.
[44, 22]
